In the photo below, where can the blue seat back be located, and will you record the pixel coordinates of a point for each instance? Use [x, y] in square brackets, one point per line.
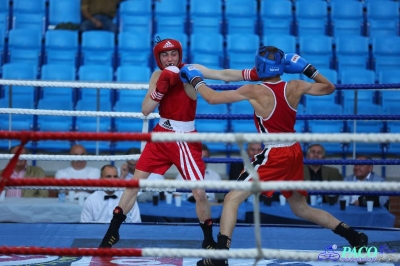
[286, 43]
[347, 18]
[61, 47]
[134, 48]
[311, 17]
[64, 11]
[352, 52]
[317, 49]
[98, 47]
[276, 17]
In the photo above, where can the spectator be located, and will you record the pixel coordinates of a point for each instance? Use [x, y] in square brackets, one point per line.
[236, 168]
[127, 169]
[320, 172]
[364, 173]
[210, 175]
[99, 15]
[23, 170]
[98, 206]
[78, 169]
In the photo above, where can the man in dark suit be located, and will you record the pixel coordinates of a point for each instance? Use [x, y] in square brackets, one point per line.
[320, 172]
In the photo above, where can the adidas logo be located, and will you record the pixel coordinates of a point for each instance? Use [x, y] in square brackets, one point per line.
[167, 125]
[168, 44]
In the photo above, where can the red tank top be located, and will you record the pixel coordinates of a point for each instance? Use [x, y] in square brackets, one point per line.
[176, 105]
[282, 117]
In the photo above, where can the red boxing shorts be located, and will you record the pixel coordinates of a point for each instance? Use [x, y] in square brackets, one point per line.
[278, 164]
[158, 157]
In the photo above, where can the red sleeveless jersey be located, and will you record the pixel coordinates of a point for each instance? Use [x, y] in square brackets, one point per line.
[176, 105]
[282, 117]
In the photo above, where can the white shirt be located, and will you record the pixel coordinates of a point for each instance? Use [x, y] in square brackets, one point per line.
[85, 173]
[354, 198]
[98, 210]
[210, 175]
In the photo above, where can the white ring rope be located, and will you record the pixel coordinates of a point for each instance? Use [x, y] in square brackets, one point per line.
[171, 185]
[76, 84]
[247, 254]
[22, 111]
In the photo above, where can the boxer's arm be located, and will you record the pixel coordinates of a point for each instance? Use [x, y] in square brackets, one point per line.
[228, 75]
[148, 104]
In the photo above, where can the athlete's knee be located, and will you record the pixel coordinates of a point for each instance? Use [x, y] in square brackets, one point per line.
[236, 197]
[200, 195]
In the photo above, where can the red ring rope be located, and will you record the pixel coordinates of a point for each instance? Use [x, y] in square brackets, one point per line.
[95, 136]
[120, 252]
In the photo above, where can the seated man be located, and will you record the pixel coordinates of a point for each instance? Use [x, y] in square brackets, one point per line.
[318, 172]
[23, 170]
[98, 206]
[364, 173]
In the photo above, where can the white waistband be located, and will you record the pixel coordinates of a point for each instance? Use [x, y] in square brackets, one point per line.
[178, 126]
[278, 144]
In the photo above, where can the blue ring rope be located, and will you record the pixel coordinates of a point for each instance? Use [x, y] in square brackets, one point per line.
[302, 117]
[337, 86]
[318, 162]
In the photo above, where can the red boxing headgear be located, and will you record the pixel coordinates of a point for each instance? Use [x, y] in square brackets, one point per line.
[167, 45]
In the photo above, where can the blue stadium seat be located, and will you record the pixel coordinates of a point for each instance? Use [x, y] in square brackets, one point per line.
[317, 50]
[242, 107]
[136, 16]
[241, 16]
[56, 72]
[64, 11]
[212, 125]
[391, 104]
[170, 15]
[56, 99]
[352, 52]
[61, 47]
[134, 49]
[311, 17]
[98, 48]
[326, 106]
[22, 96]
[386, 53]
[286, 43]
[276, 17]
[244, 45]
[383, 19]
[95, 73]
[347, 18]
[24, 46]
[94, 124]
[207, 49]
[29, 14]
[205, 16]
[132, 74]
[4, 18]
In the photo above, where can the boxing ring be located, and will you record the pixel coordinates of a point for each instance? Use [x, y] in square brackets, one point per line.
[178, 244]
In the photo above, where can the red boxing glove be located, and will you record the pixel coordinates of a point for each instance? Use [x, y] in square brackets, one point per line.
[168, 78]
[250, 74]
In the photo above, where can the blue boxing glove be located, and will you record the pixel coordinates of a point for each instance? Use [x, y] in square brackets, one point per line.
[190, 74]
[296, 64]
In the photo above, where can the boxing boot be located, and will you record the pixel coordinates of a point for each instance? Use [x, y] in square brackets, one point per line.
[224, 242]
[356, 239]
[208, 242]
[112, 235]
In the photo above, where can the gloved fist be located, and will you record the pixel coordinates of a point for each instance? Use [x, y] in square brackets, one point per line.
[297, 64]
[190, 74]
[168, 78]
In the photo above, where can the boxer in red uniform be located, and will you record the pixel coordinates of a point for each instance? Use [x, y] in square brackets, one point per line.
[177, 108]
[275, 102]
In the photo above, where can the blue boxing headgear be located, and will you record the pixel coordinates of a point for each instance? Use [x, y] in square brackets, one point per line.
[270, 62]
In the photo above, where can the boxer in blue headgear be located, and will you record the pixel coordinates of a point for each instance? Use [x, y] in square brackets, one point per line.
[269, 62]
